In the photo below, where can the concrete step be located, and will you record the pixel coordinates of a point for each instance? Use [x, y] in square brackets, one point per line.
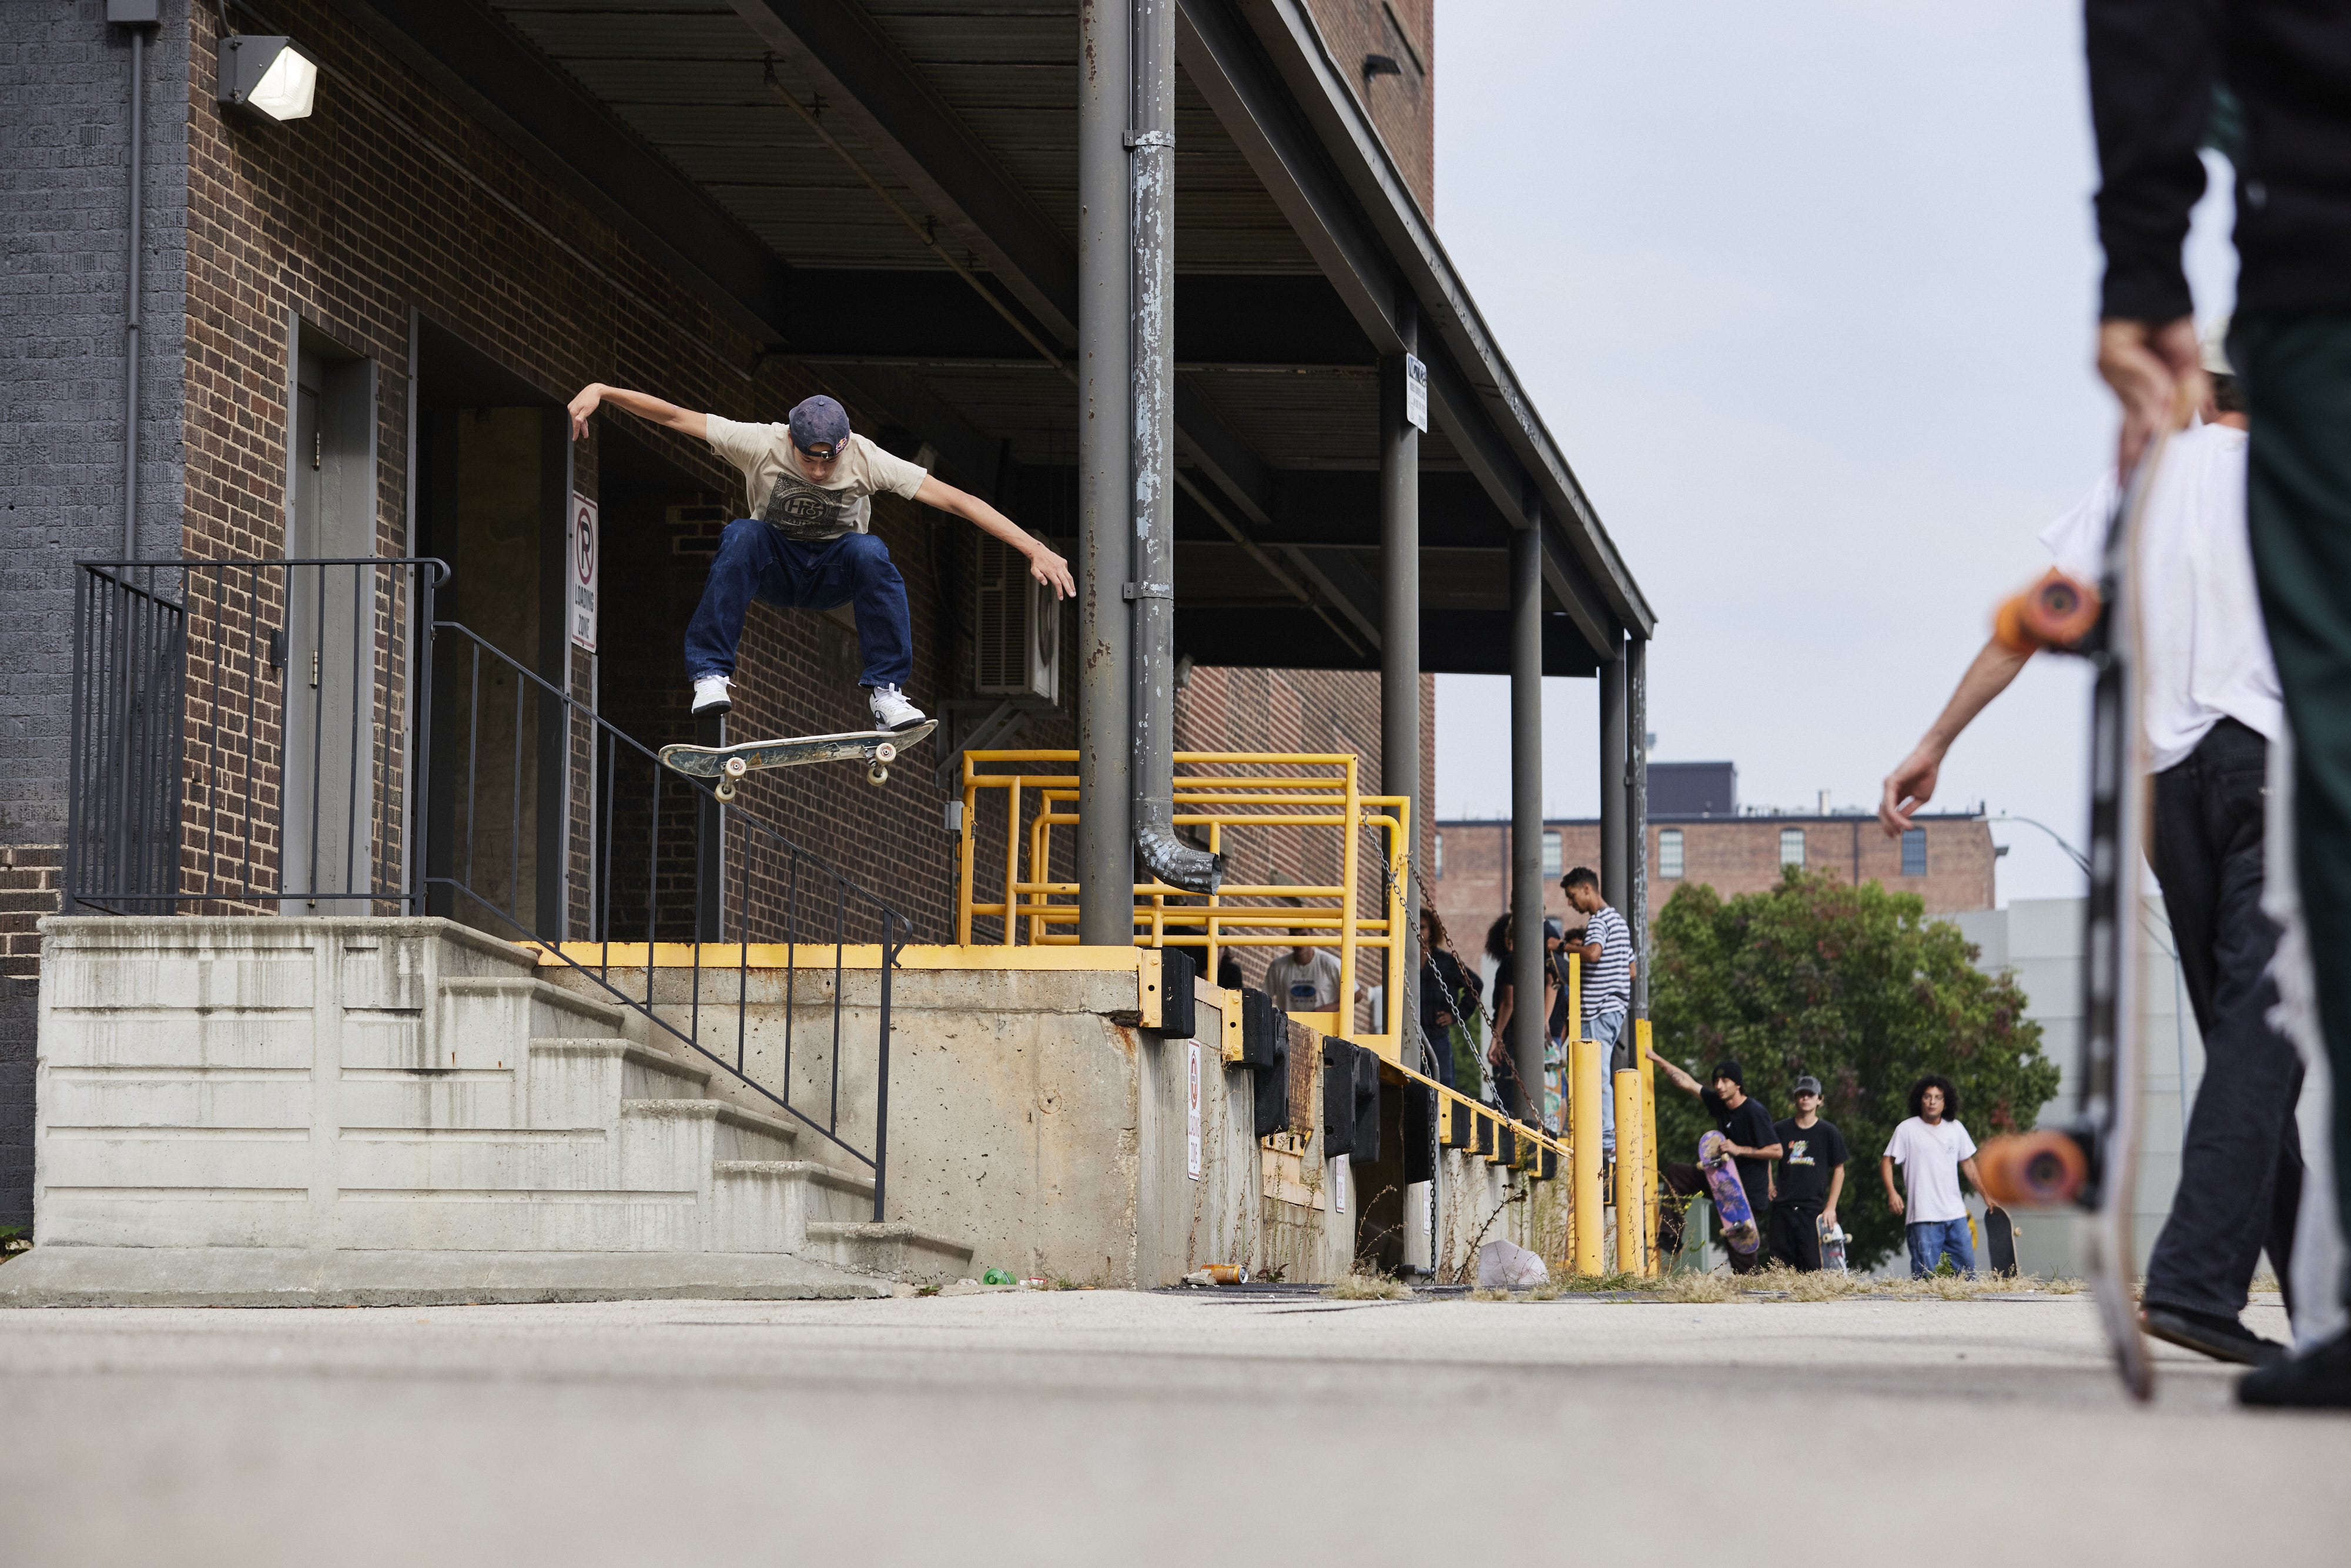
[746, 1134]
[889, 1251]
[582, 1082]
[761, 1206]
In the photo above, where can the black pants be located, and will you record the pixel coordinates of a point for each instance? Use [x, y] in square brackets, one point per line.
[2297, 373]
[1796, 1236]
[2240, 1161]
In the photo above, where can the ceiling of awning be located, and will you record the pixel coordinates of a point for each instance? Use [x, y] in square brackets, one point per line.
[1276, 374]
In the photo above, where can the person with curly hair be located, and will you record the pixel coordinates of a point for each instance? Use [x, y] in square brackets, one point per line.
[1933, 1150]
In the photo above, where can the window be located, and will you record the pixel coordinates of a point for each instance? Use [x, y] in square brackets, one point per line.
[1439, 868]
[1552, 867]
[1792, 846]
[1669, 854]
[1913, 851]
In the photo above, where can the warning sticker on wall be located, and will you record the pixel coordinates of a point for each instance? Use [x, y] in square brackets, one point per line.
[581, 608]
[1192, 1113]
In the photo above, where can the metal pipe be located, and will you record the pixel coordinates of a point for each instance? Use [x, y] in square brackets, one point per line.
[1528, 1018]
[1632, 1233]
[1636, 816]
[1151, 154]
[1105, 860]
[1400, 664]
[1615, 810]
[130, 315]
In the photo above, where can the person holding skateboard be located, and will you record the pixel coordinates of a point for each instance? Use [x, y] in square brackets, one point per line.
[1748, 1140]
[1810, 1178]
[1933, 1149]
[2212, 709]
[808, 542]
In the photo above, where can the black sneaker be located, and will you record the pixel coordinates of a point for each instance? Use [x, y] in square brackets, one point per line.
[2317, 1379]
[2222, 1339]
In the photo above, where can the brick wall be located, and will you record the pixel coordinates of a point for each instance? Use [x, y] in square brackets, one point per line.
[1403, 107]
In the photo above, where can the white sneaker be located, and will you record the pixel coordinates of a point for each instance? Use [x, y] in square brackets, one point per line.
[891, 708]
[710, 696]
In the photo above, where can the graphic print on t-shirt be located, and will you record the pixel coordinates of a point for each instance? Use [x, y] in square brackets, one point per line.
[809, 514]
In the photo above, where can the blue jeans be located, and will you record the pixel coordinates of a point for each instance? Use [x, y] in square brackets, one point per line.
[755, 561]
[1607, 1028]
[1930, 1242]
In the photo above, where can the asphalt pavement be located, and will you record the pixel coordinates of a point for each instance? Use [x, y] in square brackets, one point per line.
[1100, 1426]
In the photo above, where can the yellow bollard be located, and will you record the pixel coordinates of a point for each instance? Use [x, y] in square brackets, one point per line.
[1632, 1250]
[1648, 1141]
[1584, 1115]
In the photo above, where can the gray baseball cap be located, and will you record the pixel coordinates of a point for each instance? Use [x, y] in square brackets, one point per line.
[1808, 1084]
[818, 425]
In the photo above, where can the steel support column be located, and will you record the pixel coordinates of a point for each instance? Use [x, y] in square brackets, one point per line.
[1527, 1016]
[1105, 839]
[1616, 806]
[1636, 817]
[1400, 736]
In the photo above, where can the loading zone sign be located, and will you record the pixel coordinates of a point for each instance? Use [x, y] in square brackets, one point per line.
[581, 606]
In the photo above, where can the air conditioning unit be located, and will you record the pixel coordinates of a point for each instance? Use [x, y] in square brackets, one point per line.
[1015, 626]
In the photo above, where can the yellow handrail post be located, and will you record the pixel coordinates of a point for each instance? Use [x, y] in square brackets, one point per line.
[1215, 927]
[1648, 1141]
[1011, 862]
[963, 854]
[1354, 820]
[1584, 1113]
[1632, 1222]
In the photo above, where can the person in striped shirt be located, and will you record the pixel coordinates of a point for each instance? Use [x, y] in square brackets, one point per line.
[1607, 953]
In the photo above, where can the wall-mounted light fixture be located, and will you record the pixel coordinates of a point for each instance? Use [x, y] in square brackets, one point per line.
[269, 78]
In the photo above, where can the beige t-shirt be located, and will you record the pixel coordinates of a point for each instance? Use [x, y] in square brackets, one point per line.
[798, 507]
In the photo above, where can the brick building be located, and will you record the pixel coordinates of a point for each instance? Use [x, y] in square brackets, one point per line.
[358, 328]
[1946, 859]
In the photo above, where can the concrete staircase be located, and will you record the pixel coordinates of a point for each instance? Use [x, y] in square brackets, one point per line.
[350, 1093]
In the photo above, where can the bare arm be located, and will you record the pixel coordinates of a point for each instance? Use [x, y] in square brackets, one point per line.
[1886, 1174]
[1687, 1084]
[1768, 1152]
[1836, 1189]
[1975, 1180]
[1912, 783]
[685, 421]
[1043, 565]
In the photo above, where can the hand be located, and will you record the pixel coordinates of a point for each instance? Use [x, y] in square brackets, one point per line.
[582, 407]
[1893, 1201]
[1828, 1217]
[1443, 1020]
[1050, 570]
[1910, 786]
[2158, 373]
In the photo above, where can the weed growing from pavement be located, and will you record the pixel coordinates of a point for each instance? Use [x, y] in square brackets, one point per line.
[1362, 1286]
[1778, 1282]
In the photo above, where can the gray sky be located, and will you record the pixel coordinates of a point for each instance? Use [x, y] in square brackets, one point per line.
[1805, 293]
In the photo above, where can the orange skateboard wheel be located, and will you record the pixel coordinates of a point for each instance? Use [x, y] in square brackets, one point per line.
[2033, 1170]
[2057, 612]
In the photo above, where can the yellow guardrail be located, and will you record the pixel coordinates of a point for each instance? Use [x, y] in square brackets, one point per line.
[1250, 791]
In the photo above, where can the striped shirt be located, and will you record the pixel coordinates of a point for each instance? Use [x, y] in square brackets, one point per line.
[1608, 980]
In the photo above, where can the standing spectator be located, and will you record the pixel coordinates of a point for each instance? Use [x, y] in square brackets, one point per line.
[1509, 1093]
[1810, 1178]
[1748, 1140]
[1606, 952]
[1449, 998]
[1229, 971]
[1933, 1149]
[1304, 980]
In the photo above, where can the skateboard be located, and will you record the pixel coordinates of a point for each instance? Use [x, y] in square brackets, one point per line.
[1740, 1232]
[1999, 1242]
[1831, 1244]
[2093, 1162]
[729, 763]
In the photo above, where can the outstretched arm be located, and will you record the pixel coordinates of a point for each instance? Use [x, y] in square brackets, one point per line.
[1912, 783]
[1043, 565]
[685, 421]
[1689, 1084]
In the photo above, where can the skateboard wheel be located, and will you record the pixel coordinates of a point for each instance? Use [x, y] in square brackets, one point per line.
[2036, 1170]
[737, 767]
[2057, 612]
[725, 790]
[877, 774]
[885, 753]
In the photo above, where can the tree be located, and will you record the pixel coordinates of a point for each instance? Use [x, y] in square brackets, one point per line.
[1855, 987]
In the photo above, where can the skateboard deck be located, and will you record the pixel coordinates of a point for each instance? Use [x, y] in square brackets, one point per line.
[1831, 1244]
[2093, 1162]
[729, 763]
[1999, 1242]
[1732, 1212]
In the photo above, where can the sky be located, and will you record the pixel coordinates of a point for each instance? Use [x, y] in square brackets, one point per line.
[1805, 294]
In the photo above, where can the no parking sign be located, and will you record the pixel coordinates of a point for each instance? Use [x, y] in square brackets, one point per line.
[583, 573]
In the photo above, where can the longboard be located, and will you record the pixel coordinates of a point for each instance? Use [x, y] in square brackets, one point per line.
[1731, 1211]
[2093, 1162]
[729, 763]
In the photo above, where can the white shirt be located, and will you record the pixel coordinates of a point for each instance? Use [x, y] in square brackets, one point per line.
[2207, 656]
[1309, 988]
[1929, 1158]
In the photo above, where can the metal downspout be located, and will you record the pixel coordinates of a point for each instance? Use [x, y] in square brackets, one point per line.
[1400, 738]
[132, 272]
[1615, 814]
[1106, 863]
[1528, 1018]
[1636, 796]
[1151, 152]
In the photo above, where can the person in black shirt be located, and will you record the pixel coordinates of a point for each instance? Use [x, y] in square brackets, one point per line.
[1753, 1146]
[1810, 1178]
[1449, 993]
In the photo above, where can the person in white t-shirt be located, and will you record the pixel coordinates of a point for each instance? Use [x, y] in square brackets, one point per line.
[808, 542]
[1305, 980]
[2213, 708]
[1933, 1149]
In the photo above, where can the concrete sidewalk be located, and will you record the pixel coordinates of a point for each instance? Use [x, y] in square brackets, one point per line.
[1115, 1428]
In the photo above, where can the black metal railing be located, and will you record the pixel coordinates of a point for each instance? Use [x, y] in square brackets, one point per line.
[668, 865]
[239, 740]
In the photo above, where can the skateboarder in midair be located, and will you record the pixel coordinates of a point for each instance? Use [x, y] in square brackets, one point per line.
[807, 543]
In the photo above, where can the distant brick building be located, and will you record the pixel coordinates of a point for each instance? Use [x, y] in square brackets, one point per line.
[1699, 834]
